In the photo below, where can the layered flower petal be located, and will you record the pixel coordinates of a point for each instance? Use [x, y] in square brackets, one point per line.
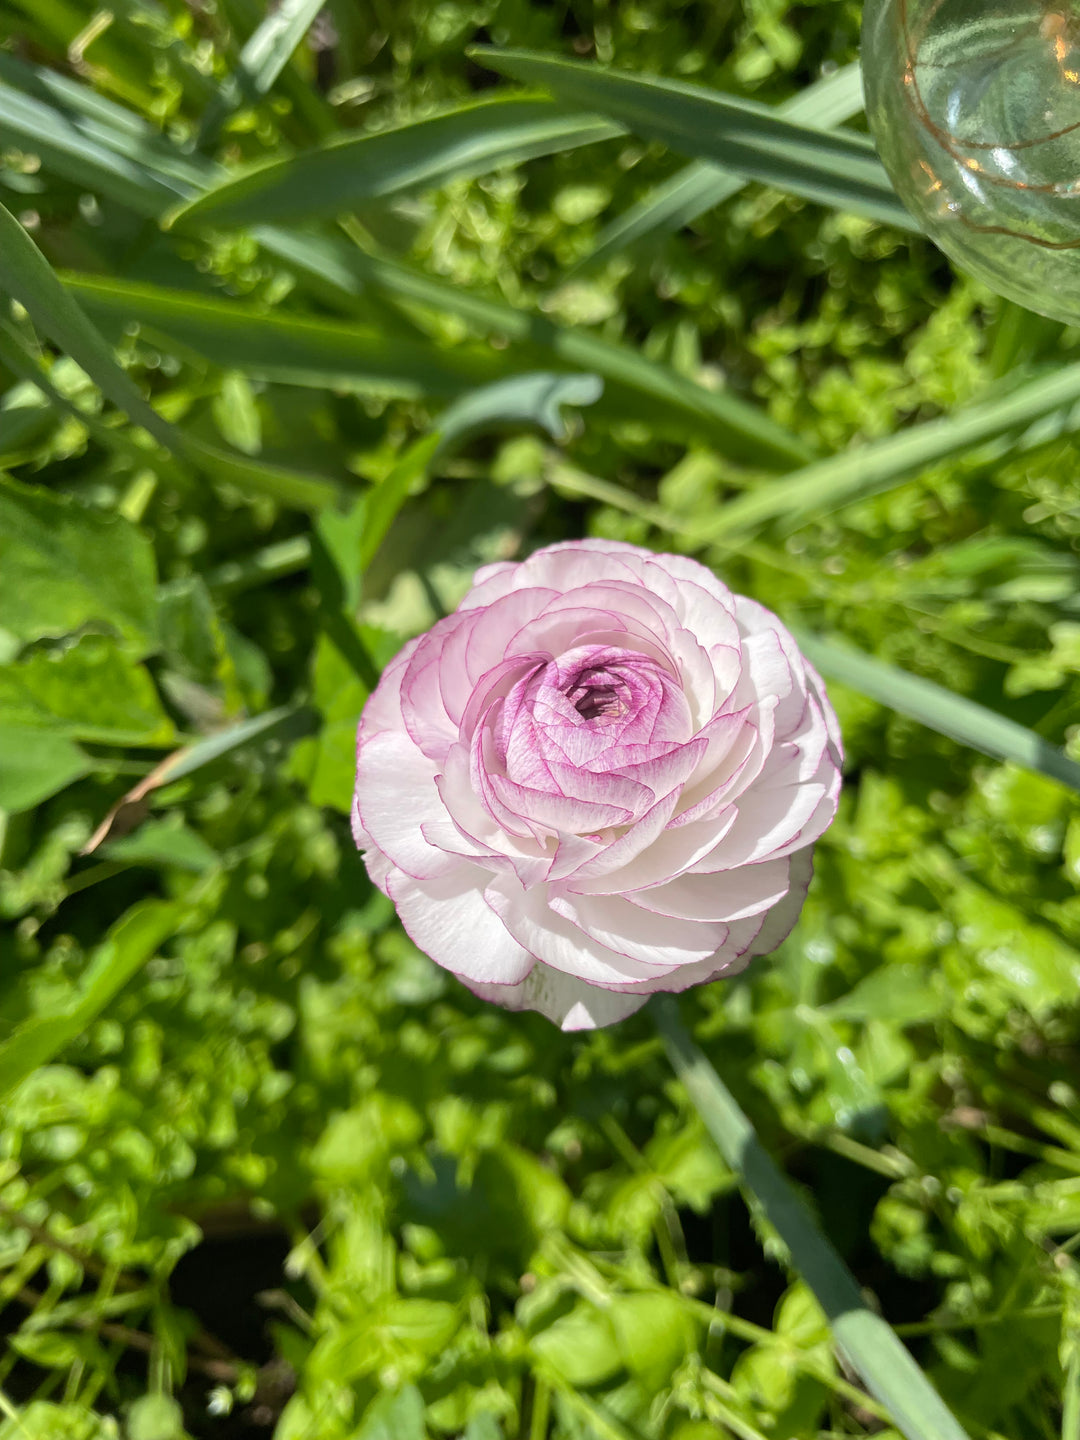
[602, 776]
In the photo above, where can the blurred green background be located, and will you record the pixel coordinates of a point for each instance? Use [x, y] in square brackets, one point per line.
[265, 1170]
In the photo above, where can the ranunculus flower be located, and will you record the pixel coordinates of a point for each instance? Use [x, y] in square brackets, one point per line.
[602, 776]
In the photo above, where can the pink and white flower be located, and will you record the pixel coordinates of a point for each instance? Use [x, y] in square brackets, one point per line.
[601, 777]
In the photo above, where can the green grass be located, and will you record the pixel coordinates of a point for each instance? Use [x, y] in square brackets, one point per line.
[304, 317]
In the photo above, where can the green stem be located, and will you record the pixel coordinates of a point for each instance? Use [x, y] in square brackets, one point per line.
[863, 1337]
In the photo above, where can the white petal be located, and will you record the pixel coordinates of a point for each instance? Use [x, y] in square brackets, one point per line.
[571, 1003]
[395, 791]
[651, 938]
[449, 919]
[561, 944]
[727, 895]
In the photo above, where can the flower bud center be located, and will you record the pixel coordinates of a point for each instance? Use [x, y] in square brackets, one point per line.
[597, 695]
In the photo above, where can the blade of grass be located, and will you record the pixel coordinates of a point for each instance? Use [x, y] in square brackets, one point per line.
[288, 348]
[27, 276]
[1070, 1419]
[268, 50]
[126, 949]
[348, 171]
[701, 186]
[863, 1337]
[93, 142]
[932, 705]
[868, 469]
[344, 274]
[642, 389]
[289, 722]
[830, 167]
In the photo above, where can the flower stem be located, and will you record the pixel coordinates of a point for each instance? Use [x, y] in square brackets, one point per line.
[869, 1345]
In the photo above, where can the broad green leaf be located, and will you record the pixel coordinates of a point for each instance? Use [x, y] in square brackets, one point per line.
[164, 842]
[352, 170]
[397, 1416]
[92, 690]
[866, 470]
[830, 167]
[954, 715]
[126, 948]
[35, 764]
[155, 1417]
[901, 994]
[654, 1334]
[863, 1337]
[287, 348]
[63, 566]
[26, 275]
[580, 1347]
[701, 186]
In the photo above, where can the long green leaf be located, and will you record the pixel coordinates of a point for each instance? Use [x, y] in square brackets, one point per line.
[640, 388]
[830, 167]
[27, 276]
[267, 52]
[939, 709]
[93, 142]
[287, 348]
[637, 387]
[126, 949]
[866, 1341]
[701, 186]
[868, 469]
[35, 764]
[348, 171]
[271, 46]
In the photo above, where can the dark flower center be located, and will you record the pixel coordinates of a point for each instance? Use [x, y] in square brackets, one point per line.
[595, 695]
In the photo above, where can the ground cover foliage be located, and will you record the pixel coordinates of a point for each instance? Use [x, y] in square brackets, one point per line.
[263, 1168]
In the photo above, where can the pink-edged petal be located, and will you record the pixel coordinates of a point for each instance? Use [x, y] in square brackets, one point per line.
[568, 1002]
[561, 944]
[449, 919]
[768, 821]
[389, 766]
[729, 895]
[780, 921]
[559, 813]
[653, 939]
[382, 710]
[668, 853]
[621, 852]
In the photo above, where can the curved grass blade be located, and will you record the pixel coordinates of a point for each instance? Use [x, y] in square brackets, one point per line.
[261, 61]
[701, 185]
[938, 708]
[830, 167]
[645, 390]
[346, 172]
[27, 276]
[866, 470]
[93, 142]
[863, 1337]
[290, 349]
[125, 950]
